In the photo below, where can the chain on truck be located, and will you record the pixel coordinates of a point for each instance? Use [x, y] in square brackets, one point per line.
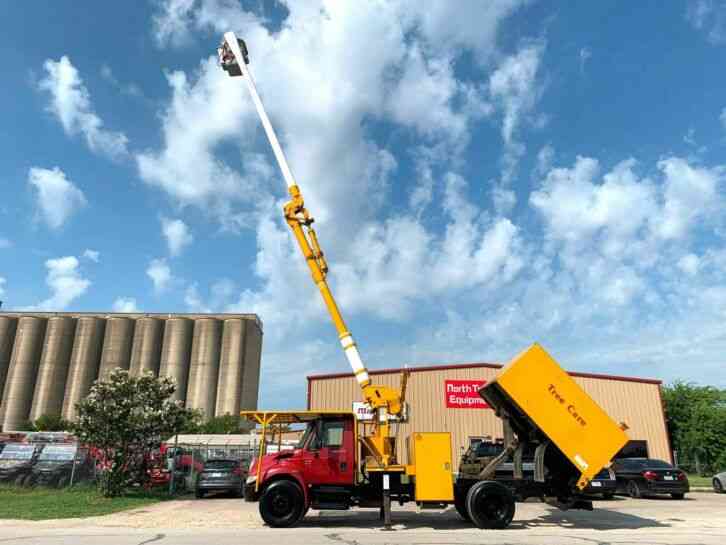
[341, 463]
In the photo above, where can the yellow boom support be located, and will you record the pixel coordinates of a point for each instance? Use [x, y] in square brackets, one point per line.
[384, 401]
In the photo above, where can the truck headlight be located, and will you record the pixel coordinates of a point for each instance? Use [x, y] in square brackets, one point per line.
[251, 480]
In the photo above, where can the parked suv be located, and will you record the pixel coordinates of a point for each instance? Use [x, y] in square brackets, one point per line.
[225, 475]
[640, 477]
[58, 464]
[16, 462]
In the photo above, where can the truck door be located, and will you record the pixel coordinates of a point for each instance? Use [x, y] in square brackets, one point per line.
[330, 455]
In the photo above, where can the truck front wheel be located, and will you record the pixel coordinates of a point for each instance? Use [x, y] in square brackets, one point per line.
[490, 505]
[282, 504]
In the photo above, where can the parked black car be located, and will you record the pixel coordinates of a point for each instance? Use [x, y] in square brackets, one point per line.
[221, 475]
[16, 462]
[603, 484]
[58, 464]
[640, 477]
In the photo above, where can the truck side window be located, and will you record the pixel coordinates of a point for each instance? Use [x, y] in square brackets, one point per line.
[333, 434]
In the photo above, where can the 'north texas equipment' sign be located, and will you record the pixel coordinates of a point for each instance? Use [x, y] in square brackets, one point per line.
[463, 394]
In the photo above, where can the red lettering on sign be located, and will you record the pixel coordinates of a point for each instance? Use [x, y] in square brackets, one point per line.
[464, 394]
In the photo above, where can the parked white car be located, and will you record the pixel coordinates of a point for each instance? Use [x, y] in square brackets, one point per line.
[719, 483]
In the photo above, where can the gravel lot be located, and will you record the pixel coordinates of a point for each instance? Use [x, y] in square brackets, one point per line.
[701, 518]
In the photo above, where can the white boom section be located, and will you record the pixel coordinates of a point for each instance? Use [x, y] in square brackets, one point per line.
[349, 346]
[231, 40]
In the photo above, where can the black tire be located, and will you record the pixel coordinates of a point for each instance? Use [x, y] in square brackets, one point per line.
[63, 481]
[717, 486]
[199, 493]
[20, 480]
[490, 505]
[678, 495]
[634, 490]
[460, 505]
[282, 504]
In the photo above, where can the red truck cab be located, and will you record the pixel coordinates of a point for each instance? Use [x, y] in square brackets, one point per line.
[320, 472]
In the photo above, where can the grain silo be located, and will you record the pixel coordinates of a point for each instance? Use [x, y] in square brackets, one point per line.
[116, 345]
[8, 326]
[204, 366]
[146, 350]
[231, 367]
[54, 362]
[23, 371]
[85, 359]
[50, 360]
[176, 353]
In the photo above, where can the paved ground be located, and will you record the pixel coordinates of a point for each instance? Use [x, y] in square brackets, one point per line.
[700, 519]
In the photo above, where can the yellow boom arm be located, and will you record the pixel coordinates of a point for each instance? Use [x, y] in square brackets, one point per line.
[233, 58]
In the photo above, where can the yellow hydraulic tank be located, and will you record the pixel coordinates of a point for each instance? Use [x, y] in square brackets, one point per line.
[431, 461]
[562, 410]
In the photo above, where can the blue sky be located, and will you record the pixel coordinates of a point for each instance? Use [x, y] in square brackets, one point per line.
[482, 176]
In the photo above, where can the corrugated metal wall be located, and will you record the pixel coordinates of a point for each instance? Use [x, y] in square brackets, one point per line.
[49, 360]
[635, 403]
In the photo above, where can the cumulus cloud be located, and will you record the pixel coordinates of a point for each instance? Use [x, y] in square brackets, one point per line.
[708, 16]
[177, 235]
[93, 255]
[57, 198]
[160, 274]
[125, 304]
[70, 102]
[66, 283]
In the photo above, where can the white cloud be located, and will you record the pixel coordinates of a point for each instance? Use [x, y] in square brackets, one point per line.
[70, 102]
[56, 196]
[93, 255]
[125, 304]
[5, 243]
[515, 88]
[66, 283]
[160, 274]
[130, 89]
[177, 235]
[585, 54]
[2, 286]
[689, 264]
[708, 16]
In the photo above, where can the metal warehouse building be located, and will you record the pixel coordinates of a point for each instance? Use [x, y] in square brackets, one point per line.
[443, 398]
[48, 360]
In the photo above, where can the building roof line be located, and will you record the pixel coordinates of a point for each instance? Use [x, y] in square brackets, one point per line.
[476, 365]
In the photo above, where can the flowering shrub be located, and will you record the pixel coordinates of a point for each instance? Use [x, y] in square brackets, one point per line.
[124, 419]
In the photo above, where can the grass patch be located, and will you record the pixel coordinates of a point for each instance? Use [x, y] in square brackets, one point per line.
[697, 480]
[79, 501]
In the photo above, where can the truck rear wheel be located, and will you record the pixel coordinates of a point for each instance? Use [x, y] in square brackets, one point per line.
[490, 505]
[282, 504]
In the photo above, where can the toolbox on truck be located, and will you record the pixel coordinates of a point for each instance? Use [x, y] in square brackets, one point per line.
[544, 405]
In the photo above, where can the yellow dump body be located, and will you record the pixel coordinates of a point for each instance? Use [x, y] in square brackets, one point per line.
[561, 409]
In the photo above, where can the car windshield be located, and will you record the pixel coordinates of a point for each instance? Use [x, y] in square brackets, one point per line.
[57, 453]
[220, 465]
[17, 452]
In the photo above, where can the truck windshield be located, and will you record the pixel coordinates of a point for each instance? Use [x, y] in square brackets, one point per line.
[58, 453]
[17, 452]
[306, 434]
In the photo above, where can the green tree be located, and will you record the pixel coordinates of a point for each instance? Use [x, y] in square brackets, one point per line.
[125, 418]
[225, 424]
[51, 422]
[696, 417]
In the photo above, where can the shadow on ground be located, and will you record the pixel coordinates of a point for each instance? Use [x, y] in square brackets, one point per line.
[599, 519]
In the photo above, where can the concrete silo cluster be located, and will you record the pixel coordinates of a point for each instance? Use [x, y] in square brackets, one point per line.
[48, 361]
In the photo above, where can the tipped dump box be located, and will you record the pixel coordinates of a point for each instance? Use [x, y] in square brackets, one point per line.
[543, 403]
